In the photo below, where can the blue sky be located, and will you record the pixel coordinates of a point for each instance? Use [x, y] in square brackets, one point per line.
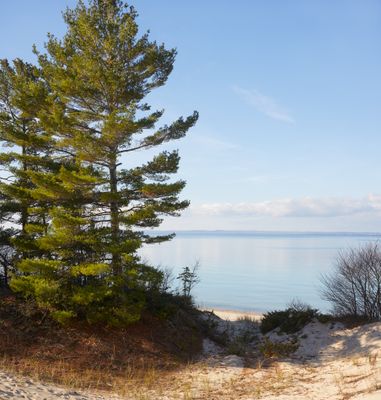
[289, 95]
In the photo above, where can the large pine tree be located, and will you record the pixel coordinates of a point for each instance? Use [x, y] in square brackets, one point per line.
[99, 75]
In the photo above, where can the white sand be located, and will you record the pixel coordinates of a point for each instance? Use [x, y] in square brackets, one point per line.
[331, 363]
[334, 363]
[18, 387]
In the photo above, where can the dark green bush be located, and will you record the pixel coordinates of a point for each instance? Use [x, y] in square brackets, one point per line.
[290, 320]
[271, 349]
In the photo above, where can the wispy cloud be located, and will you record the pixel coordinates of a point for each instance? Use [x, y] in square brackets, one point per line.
[304, 207]
[212, 142]
[264, 104]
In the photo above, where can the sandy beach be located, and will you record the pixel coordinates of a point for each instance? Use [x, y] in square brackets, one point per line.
[330, 363]
[234, 315]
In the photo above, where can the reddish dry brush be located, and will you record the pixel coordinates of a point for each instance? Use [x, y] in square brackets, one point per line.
[86, 356]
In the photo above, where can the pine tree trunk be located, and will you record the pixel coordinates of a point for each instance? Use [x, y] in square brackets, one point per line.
[114, 213]
[24, 207]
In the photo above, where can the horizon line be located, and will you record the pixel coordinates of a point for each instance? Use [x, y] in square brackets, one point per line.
[369, 233]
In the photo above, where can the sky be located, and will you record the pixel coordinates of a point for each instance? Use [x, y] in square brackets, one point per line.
[289, 96]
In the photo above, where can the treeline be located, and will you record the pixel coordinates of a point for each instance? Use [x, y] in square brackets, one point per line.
[73, 208]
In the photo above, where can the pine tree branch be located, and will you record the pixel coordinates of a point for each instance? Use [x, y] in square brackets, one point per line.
[134, 148]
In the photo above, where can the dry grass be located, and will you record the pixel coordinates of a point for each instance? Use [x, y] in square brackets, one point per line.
[271, 349]
[125, 361]
[249, 319]
[127, 380]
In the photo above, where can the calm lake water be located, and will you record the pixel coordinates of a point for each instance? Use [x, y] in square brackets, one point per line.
[255, 271]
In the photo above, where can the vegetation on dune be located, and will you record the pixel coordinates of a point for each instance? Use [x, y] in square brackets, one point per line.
[73, 210]
[125, 360]
[290, 320]
[354, 286]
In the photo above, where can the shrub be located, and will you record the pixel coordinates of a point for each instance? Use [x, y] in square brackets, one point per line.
[271, 349]
[163, 300]
[354, 287]
[291, 320]
[242, 343]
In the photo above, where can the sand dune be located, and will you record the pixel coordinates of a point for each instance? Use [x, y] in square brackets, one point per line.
[331, 363]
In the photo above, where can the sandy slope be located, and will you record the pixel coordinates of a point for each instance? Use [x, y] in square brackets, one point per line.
[331, 363]
[17, 387]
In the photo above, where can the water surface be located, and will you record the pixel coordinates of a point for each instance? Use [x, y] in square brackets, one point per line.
[254, 270]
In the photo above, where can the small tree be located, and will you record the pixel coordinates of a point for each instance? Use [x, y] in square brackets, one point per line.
[354, 287]
[189, 279]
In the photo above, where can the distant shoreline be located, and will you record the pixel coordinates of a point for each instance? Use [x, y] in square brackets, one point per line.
[269, 233]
